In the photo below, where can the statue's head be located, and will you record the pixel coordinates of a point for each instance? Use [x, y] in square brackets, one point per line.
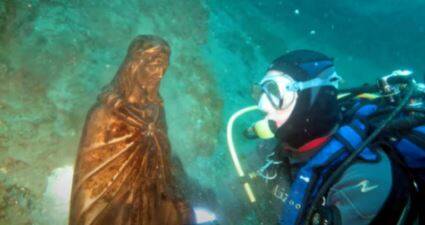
[145, 64]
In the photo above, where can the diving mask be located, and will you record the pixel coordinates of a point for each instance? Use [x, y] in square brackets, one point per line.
[280, 90]
[276, 100]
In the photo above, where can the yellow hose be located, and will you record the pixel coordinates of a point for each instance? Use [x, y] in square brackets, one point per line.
[233, 152]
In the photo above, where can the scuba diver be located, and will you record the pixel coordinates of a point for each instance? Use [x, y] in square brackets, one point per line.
[345, 157]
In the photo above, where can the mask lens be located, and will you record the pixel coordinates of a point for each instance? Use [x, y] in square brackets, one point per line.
[271, 89]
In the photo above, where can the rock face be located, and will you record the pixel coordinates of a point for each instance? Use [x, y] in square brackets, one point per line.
[123, 173]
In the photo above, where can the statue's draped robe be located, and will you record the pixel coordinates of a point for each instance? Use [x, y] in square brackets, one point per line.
[123, 174]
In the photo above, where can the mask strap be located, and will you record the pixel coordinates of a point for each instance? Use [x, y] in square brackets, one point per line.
[331, 79]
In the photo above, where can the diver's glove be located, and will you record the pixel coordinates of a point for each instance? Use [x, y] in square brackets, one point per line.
[249, 133]
[326, 215]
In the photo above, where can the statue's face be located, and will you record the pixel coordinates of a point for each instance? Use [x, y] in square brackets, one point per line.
[149, 60]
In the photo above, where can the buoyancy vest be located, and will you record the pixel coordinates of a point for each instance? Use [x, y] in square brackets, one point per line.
[408, 165]
[405, 203]
[310, 176]
[411, 148]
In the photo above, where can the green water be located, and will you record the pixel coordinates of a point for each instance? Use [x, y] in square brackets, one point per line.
[56, 55]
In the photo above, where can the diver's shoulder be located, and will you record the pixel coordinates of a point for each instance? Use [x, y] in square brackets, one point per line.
[362, 190]
[378, 172]
[366, 179]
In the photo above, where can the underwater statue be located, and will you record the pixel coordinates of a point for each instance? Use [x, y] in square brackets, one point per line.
[123, 174]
